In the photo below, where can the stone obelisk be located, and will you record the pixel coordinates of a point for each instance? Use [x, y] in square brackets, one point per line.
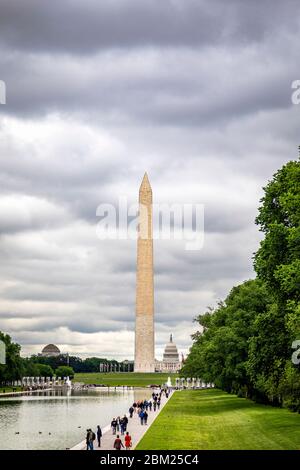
[144, 359]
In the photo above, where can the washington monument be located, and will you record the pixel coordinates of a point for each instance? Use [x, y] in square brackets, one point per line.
[144, 359]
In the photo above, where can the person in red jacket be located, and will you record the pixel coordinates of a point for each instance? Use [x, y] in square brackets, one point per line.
[127, 441]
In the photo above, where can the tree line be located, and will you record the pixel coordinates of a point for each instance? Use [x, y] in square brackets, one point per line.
[62, 365]
[245, 344]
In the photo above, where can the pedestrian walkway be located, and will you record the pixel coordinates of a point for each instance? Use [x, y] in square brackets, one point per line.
[135, 429]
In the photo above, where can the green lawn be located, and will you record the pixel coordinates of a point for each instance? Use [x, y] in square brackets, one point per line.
[9, 389]
[212, 419]
[123, 378]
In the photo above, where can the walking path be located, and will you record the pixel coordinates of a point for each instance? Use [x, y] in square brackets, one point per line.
[135, 429]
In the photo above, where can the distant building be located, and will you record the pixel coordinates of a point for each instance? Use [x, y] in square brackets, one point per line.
[50, 351]
[171, 362]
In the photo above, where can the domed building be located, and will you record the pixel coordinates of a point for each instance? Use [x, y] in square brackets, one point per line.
[171, 362]
[50, 350]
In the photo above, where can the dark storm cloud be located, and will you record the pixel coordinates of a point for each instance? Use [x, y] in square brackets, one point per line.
[197, 93]
[117, 88]
[218, 75]
[85, 27]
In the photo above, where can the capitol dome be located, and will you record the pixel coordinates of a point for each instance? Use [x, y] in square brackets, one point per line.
[171, 352]
[50, 350]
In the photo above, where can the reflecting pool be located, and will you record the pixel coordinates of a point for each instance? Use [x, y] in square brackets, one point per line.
[59, 419]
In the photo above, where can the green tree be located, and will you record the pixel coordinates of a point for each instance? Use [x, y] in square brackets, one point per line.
[277, 261]
[31, 369]
[45, 370]
[245, 343]
[268, 353]
[13, 369]
[52, 361]
[90, 364]
[64, 371]
[220, 353]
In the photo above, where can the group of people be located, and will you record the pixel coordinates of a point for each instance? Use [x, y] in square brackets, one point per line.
[91, 437]
[119, 425]
[118, 444]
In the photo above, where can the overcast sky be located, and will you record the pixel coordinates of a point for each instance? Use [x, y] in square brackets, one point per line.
[196, 93]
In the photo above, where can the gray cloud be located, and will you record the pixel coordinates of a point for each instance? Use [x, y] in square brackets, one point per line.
[81, 28]
[196, 93]
[153, 86]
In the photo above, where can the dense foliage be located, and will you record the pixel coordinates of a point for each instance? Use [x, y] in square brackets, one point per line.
[13, 369]
[90, 364]
[64, 371]
[245, 343]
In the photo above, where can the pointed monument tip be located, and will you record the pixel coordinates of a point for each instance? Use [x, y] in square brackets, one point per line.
[145, 182]
[145, 177]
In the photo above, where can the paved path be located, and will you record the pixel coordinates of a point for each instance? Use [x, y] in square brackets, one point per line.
[136, 430]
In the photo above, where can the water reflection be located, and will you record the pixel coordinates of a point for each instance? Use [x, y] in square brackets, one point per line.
[58, 419]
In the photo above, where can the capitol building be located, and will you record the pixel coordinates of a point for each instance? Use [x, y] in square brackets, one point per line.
[171, 362]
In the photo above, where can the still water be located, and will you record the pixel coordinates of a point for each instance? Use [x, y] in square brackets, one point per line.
[58, 420]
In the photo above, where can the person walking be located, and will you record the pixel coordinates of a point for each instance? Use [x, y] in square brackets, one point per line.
[90, 437]
[154, 406]
[125, 422]
[118, 423]
[141, 416]
[118, 444]
[145, 417]
[99, 435]
[127, 441]
[114, 425]
[150, 405]
[122, 426]
[87, 439]
[131, 410]
[93, 439]
[158, 403]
